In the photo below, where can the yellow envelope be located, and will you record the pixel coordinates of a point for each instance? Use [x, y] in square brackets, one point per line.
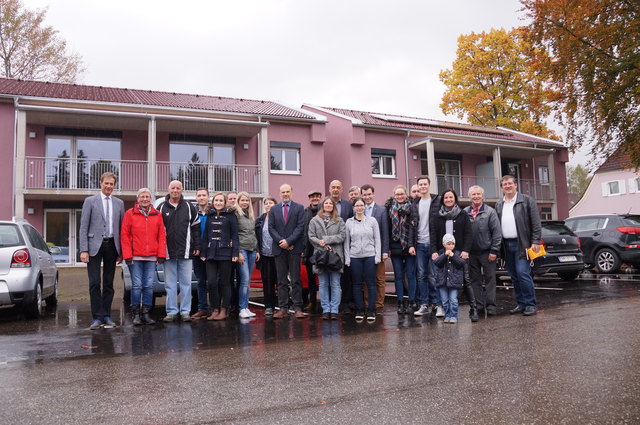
[532, 255]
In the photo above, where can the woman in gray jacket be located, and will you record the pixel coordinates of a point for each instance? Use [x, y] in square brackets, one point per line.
[362, 249]
[248, 251]
[327, 231]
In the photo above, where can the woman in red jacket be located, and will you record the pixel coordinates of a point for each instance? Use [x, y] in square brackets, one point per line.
[144, 243]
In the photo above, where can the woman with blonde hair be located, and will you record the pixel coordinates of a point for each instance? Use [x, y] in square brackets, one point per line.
[248, 251]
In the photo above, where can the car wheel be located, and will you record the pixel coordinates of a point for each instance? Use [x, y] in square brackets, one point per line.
[607, 261]
[52, 300]
[569, 276]
[33, 308]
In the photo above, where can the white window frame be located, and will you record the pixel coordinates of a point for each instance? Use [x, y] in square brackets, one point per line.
[284, 163]
[382, 174]
[606, 188]
[634, 185]
[543, 175]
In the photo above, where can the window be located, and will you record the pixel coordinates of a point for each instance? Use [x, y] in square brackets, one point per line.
[613, 188]
[448, 174]
[634, 185]
[545, 213]
[285, 158]
[383, 162]
[543, 174]
[197, 164]
[589, 223]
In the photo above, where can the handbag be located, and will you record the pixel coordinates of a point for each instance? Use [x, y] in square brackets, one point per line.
[327, 259]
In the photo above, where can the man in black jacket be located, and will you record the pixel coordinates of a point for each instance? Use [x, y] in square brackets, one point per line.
[487, 237]
[182, 223]
[309, 295]
[521, 229]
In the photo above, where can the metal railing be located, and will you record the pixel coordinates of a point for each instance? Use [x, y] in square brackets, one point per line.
[82, 173]
[215, 177]
[461, 184]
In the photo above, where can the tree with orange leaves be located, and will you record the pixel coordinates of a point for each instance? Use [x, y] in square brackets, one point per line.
[595, 68]
[498, 79]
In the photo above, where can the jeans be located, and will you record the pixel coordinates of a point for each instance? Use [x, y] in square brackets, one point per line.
[449, 298]
[404, 265]
[364, 269]
[177, 273]
[244, 276]
[480, 267]
[330, 291]
[142, 282]
[426, 276]
[101, 293]
[200, 269]
[520, 272]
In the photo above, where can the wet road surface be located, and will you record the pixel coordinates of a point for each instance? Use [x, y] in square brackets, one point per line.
[577, 361]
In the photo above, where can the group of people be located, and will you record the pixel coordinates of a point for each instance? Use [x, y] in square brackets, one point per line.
[437, 248]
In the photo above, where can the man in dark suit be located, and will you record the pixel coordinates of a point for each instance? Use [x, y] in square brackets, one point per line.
[99, 236]
[286, 227]
[345, 211]
[380, 214]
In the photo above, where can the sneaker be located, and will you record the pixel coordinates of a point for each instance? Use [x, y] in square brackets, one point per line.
[326, 316]
[169, 318]
[245, 313]
[360, 315]
[453, 320]
[334, 316]
[96, 324]
[186, 317]
[446, 320]
[423, 310]
[439, 311]
[371, 316]
[108, 323]
[251, 313]
[268, 312]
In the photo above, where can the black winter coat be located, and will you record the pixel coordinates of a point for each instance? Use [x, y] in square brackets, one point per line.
[462, 231]
[449, 270]
[221, 236]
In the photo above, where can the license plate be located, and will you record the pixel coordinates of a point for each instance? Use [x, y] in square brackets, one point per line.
[567, 258]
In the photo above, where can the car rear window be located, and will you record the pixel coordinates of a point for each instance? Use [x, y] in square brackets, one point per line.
[10, 235]
[631, 220]
[553, 229]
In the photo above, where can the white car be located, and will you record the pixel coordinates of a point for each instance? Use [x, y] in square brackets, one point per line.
[28, 272]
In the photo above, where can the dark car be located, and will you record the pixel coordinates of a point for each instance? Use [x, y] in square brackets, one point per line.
[608, 240]
[158, 285]
[563, 256]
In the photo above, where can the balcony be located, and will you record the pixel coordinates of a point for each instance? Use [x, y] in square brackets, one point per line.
[84, 173]
[214, 177]
[541, 192]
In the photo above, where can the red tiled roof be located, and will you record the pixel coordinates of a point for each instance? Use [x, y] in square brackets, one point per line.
[415, 123]
[146, 98]
[616, 161]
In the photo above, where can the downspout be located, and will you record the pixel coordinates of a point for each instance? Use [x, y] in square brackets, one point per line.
[406, 159]
[15, 150]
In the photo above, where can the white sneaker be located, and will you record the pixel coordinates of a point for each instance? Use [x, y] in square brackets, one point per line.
[251, 313]
[424, 309]
[439, 311]
[245, 313]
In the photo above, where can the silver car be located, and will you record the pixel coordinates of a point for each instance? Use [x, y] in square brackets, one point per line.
[28, 272]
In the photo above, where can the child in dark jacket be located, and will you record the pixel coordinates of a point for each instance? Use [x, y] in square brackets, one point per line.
[449, 277]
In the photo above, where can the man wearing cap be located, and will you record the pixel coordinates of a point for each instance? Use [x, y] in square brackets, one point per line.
[521, 229]
[309, 295]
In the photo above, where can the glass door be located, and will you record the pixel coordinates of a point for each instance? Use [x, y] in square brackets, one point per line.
[61, 227]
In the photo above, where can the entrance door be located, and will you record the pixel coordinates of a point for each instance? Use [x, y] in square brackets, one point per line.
[61, 227]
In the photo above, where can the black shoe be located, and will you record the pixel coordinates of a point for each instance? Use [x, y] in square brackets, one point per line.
[529, 311]
[400, 307]
[135, 316]
[371, 316]
[516, 310]
[146, 319]
[326, 316]
[491, 312]
[473, 315]
[360, 315]
[334, 316]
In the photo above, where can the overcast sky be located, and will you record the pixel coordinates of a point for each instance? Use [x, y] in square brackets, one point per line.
[379, 56]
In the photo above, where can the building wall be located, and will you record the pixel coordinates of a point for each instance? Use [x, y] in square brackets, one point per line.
[595, 202]
[7, 127]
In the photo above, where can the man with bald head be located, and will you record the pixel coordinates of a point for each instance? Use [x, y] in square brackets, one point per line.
[182, 224]
[286, 227]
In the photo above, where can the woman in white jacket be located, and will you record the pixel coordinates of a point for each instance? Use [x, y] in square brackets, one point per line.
[362, 253]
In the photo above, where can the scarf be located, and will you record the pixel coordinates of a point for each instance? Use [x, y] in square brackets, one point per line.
[449, 214]
[144, 211]
[327, 218]
[399, 215]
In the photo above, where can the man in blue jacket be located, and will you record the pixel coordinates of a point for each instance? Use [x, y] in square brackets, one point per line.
[286, 227]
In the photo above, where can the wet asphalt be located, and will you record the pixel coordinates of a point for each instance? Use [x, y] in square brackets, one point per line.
[576, 361]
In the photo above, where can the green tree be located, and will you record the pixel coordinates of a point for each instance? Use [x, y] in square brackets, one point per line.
[31, 50]
[595, 69]
[497, 80]
[578, 179]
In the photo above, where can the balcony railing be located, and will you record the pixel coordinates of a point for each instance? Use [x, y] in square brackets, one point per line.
[82, 173]
[461, 184]
[215, 177]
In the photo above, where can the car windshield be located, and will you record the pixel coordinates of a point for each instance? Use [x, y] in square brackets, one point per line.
[554, 229]
[10, 235]
[632, 220]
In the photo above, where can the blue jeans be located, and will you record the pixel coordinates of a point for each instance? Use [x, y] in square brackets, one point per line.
[142, 282]
[244, 275]
[330, 291]
[404, 265]
[426, 276]
[449, 298]
[178, 273]
[364, 269]
[200, 270]
[520, 272]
